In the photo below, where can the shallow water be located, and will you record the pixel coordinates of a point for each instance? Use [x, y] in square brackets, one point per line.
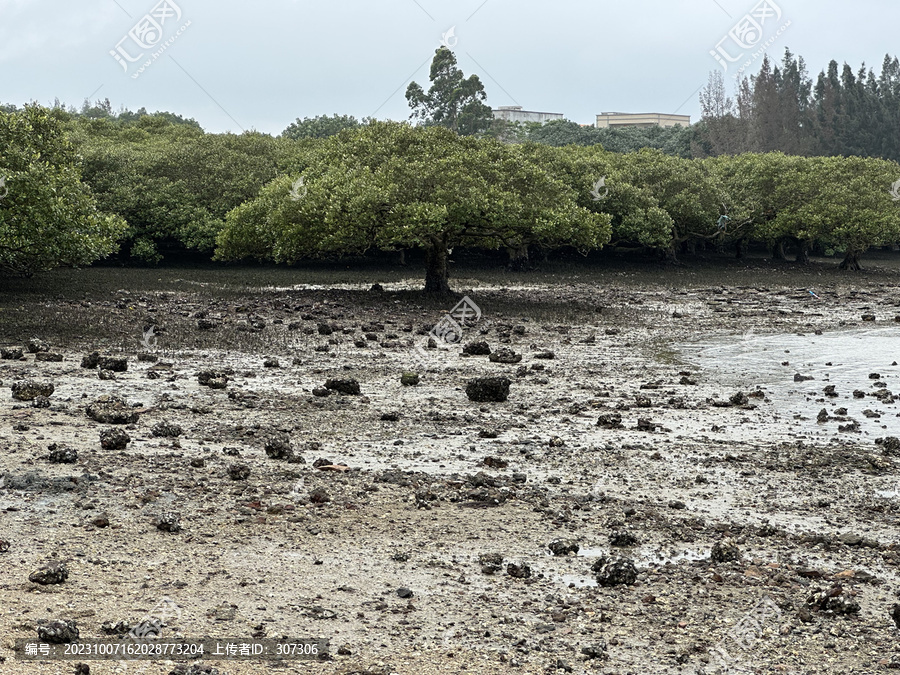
[844, 359]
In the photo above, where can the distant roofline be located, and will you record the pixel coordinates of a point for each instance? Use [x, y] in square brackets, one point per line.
[520, 110]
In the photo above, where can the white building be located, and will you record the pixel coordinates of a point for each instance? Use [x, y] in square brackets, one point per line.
[514, 113]
[618, 119]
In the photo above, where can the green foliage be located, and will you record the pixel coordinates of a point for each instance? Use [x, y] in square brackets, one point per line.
[321, 126]
[48, 217]
[172, 183]
[390, 186]
[453, 101]
[670, 140]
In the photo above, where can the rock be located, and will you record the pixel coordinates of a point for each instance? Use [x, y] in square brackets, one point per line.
[595, 651]
[114, 439]
[724, 551]
[622, 538]
[166, 430]
[28, 390]
[11, 353]
[561, 547]
[48, 357]
[82, 669]
[890, 445]
[829, 391]
[822, 417]
[409, 379]
[100, 520]
[321, 392]
[168, 521]
[802, 378]
[522, 571]
[58, 632]
[278, 446]
[239, 471]
[271, 362]
[52, 573]
[61, 454]
[739, 398]
[488, 389]
[111, 410]
[895, 615]
[376, 288]
[868, 317]
[91, 360]
[207, 324]
[480, 348]
[325, 329]
[495, 462]
[687, 380]
[35, 345]
[206, 377]
[319, 496]
[106, 375]
[547, 354]
[505, 355]
[113, 363]
[832, 601]
[404, 593]
[347, 386]
[40, 402]
[610, 421]
[491, 563]
[146, 357]
[614, 571]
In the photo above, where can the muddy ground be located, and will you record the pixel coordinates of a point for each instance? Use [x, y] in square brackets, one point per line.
[756, 546]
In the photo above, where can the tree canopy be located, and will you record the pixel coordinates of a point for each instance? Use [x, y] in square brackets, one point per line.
[390, 186]
[48, 217]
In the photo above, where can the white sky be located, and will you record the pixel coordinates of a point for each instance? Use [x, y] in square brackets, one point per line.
[242, 65]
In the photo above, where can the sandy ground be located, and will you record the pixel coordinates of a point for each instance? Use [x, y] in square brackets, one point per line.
[378, 550]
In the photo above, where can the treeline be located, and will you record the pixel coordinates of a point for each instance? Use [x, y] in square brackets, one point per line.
[841, 113]
[77, 189]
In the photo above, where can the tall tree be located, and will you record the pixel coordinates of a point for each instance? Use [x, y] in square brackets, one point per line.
[453, 101]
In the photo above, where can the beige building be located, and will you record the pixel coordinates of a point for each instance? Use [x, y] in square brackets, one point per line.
[618, 119]
[514, 113]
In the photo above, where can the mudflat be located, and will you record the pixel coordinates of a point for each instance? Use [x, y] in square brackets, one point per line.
[274, 454]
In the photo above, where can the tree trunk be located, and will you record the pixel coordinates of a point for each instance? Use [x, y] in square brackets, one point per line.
[778, 250]
[851, 262]
[739, 246]
[691, 246]
[803, 252]
[518, 258]
[437, 275]
[401, 257]
[671, 255]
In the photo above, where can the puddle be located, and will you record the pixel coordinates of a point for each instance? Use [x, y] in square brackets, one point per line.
[748, 362]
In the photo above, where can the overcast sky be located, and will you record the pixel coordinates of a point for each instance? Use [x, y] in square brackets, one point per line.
[242, 65]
